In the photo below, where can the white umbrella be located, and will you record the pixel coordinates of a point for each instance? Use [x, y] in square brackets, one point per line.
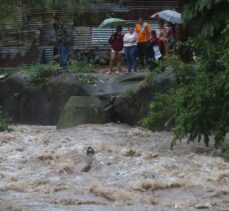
[168, 15]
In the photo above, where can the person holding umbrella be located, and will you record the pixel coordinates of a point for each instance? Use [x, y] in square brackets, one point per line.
[169, 37]
[117, 50]
[171, 17]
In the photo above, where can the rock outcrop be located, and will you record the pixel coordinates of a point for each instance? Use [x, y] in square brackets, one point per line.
[122, 98]
[81, 110]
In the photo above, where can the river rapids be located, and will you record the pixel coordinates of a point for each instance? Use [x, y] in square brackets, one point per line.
[132, 169]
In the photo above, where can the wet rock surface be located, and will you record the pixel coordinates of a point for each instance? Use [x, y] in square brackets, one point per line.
[132, 169]
[25, 102]
[81, 110]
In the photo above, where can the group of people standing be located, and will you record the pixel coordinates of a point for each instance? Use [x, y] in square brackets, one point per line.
[140, 45]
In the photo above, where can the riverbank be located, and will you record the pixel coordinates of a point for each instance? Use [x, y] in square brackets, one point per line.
[132, 169]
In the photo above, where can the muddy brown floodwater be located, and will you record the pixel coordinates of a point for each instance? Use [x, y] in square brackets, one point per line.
[132, 169]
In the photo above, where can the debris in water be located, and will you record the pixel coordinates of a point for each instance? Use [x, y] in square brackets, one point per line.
[152, 184]
[134, 152]
[112, 194]
[86, 168]
[223, 176]
[203, 206]
[66, 168]
[130, 153]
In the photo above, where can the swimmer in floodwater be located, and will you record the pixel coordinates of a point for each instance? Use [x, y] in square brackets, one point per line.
[90, 153]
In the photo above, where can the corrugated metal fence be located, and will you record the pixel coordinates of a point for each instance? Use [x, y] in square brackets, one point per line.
[85, 34]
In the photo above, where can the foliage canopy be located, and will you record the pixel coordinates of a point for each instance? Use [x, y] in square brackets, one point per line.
[209, 16]
[199, 104]
[10, 8]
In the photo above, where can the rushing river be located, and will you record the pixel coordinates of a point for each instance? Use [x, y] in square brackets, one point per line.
[132, 169]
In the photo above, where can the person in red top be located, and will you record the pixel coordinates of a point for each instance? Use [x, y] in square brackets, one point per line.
[156, 46]
[117, 49]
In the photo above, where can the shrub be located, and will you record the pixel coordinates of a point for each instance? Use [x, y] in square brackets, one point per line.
[40, 73]
[4, 123]
[199, 104]
[81, 67]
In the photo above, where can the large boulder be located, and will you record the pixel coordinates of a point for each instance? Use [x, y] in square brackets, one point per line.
[81, 110]
[125, 97]
[25, 102]
[96, 84]
[132, 106]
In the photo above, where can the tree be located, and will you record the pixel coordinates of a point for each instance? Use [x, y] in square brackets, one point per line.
[9, 8]
[199, 104]
[209, 17]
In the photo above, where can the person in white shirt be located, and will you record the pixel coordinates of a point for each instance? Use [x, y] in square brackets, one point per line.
[156, 47]
[155, 50]
[130, 48]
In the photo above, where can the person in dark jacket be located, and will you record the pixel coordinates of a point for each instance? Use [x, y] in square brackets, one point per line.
[117, 50]
[62, 42]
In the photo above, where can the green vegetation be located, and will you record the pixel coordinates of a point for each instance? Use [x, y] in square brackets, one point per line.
[86, 79]
[198, 106]
[40, 73]
[225, 150]
[209, 17]
[10, 9]
[81, 67]
[4, 122]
